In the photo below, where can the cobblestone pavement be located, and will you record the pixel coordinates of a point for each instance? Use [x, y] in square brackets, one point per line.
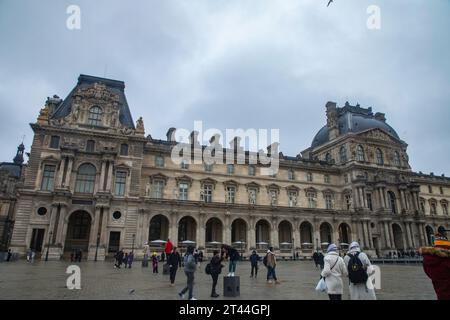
[99, 280]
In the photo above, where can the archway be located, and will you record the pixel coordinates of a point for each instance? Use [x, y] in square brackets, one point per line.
[159, 228]
[262, 229]
[430, 235]
[187, 230]
[238, 231]
[306, 233]
[398, 236]
[213, 230]
[78, 231]
[344, 233]
[325, 233]
[285, 234]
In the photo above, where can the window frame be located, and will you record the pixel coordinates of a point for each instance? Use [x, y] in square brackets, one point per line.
[48, 180]
[95, 118]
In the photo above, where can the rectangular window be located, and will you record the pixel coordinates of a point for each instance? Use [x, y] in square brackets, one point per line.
[251, 170]
[445, 209]
[231, 194]
[48, 178]
[328, 201]
[441, 190]
[159, 161]
[230, 169]
[309, 177]
[206, 194]
[291, 175]
[433, 208]
[158, 189]
[326, 178]
[90, 146]
[54, 142]
[430, 189]
[124, 149]
[311, 199]
[121, 177]
[369, 201]
[292, 195]
[183, 191]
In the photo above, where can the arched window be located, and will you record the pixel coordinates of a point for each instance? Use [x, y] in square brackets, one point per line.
[396, 159]
[343, 154]
[95, 116]
[124, 149]
[360, 153]
[85, 178]
[380, 160]
[90, 146]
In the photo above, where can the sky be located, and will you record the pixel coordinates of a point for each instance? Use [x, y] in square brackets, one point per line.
[260, 64]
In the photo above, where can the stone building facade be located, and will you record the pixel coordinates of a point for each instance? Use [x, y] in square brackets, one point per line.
[95, 182]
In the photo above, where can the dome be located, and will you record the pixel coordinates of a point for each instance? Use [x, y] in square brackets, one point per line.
[351, 122]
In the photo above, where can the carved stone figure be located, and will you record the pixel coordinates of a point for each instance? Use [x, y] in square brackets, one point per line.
[147, 189]
[252, 196]
[140, 126]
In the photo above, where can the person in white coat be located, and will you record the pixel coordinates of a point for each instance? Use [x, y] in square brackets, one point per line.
[360, 291]
[333, 271]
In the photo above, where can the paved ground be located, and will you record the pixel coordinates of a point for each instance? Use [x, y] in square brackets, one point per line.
[47, 280]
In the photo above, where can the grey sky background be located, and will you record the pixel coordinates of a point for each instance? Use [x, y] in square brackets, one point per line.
[237, 64]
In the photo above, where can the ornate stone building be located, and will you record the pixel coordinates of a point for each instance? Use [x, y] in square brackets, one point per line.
[11, 178]
[95, 182]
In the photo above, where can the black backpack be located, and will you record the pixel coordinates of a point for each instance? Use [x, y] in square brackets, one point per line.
[356, 271]
[208, 268]
[265, 260]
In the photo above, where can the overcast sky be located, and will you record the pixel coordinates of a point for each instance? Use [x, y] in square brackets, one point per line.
[237, 64]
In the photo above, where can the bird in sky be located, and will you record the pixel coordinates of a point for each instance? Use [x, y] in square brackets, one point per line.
[329, 2]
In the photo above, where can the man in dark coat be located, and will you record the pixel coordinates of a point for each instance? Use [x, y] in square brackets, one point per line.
[233, 255]
[119, 259]
[254, 258]
[321, 260]
[436, 264]
[316, 258]
[174, 262]
[216, 269]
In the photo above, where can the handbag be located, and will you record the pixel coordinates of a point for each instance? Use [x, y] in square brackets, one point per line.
[321, 285]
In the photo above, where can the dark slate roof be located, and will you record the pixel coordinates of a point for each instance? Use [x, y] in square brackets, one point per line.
[117, 87]
[12, 168]
[353, 119]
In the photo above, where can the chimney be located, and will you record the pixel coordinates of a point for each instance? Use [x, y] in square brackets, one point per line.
[171, 134]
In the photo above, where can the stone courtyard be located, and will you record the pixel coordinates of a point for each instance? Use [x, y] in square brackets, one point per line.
[100, 280]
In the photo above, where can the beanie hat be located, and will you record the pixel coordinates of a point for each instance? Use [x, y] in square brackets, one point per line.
[332, 247]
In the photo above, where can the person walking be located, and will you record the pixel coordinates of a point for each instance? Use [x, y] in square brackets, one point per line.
[189, 269]
[271, 265]
[359, 269]
[174, 262]
[119, 259]
[125, 260]
[8, 258]
[254, 258]
[334, 269]
[233, 256]
[155, 262]
[316, 258]
[130, 259]
[436, 264]
[216, 269]
[146, 255]
[321, 258]
[80, 254]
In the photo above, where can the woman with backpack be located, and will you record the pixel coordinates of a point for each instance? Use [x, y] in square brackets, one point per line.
[215, 270]
[334, 269]
[359, 269]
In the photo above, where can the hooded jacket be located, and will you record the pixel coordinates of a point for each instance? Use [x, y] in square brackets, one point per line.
[436, 264]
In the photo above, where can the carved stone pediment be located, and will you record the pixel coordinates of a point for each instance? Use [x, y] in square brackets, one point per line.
[97, 92]
[378, 134]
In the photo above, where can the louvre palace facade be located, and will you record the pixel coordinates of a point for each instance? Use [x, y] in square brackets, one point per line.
[94, 181]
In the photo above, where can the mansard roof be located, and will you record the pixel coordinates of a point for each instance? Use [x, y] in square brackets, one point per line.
[115, 86]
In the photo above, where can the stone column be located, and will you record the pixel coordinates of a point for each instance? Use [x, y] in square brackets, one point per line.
[385, 198]
[201, 231]
[227, 235]
[59, 177]
[421, 234]
[60, 229]
[369, 229]
[69, 173]
[408, 236]
[104, 228]
[102, 176]
[110, 176]
[365, 234]
[361, 234]
[94, 227]
[402, 200]
[274, 240]
[297, 240]
[391, 234]
[388, 235]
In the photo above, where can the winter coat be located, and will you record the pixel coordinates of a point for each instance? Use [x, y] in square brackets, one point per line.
[233, 254]
[216, 265]
[254, 258]
[174, 260]
[436, 264]
[271, 260]
[189, 263]
[360, 291]
[334, 269]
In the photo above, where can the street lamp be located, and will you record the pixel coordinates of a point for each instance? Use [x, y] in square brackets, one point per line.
[96, 249]
[48, 245]
[132, 246]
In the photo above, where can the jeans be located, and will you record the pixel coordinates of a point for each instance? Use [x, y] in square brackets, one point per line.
[232, 266]
[255, 269]
[215, 277]
[190, 284]
[173, 273]
[271, 273]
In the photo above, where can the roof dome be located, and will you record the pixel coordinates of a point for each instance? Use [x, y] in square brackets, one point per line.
[354, 119]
